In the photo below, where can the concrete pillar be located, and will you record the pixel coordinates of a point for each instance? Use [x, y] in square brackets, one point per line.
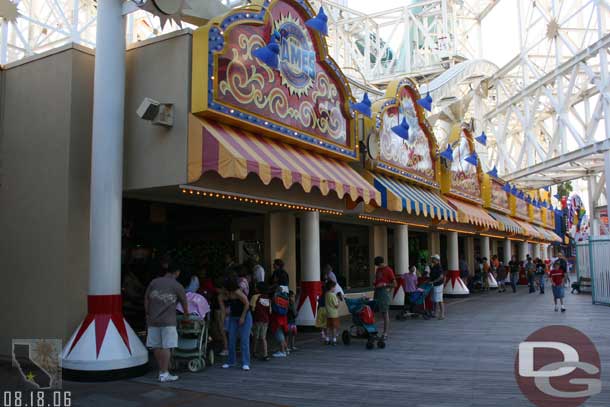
[523, 250]
[280, 243]
[104, 342]
[454, 286]
[507, 250]
[378, 244]
[401, 260]
[537, 250]
[311, 286]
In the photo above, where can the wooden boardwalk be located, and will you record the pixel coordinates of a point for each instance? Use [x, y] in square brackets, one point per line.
[464, 360]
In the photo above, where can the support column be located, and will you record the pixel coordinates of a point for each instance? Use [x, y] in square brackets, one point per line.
[507, 251]
[280, 243]
[494, 246]
[537, 250]
[607, 158]
[311, 286]
[434, 243]
[454, 286]
[523, 252]
[486, 253]
[104, 344]
[378, 244]
[401, 261]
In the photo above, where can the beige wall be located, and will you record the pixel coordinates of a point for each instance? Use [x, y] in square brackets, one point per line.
[378, 245]
[44, 196]
[280, 237]
[161, 70]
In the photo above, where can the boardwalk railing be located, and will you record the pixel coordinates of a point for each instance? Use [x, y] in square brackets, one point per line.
[593, 262]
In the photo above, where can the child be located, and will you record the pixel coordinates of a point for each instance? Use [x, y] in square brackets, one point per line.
[279, 320]
[292, 326]
[261, 309]
[321, 315]
[557, 276]
[332, 313]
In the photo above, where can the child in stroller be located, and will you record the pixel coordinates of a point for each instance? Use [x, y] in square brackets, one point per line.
[193, 334]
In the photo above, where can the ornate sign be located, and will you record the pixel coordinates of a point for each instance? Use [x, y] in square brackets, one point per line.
[465, 176]
[305, 100]
[521, 210]
[499, 198]
[412, 157]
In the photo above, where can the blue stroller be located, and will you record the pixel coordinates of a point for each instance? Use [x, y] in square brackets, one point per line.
[363, 323]
[417, 304]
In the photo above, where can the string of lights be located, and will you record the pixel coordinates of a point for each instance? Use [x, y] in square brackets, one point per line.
[202, 193]
[386, 220]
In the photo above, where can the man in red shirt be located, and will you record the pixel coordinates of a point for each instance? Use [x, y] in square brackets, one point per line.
[385, 282]
[557, 276]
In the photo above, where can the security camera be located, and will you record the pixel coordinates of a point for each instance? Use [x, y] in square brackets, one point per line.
[148, 109]
[156, 112]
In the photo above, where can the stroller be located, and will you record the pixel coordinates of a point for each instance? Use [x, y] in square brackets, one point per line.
[193, 340]
[363, 323]
[418, 305]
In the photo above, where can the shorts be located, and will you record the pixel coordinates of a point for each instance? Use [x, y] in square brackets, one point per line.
[321, 318]
[162, 337]
[260, 330]
[382, 296]
[558, 291]
[292, 329]
[437, 293]
[280, 336]
[332, 323]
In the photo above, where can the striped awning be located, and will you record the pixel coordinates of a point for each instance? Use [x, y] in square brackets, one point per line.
[548, 234]
[398, 195]
[507, 224]
[469, 213]
[530, 229]
[235, 153]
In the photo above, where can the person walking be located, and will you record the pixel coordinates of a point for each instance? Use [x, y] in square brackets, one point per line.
[240, 322]
[540, 274]
[513, 267]
[530, 270]
[437, 278]
[160, 301]
[557, 280]
[385, 282]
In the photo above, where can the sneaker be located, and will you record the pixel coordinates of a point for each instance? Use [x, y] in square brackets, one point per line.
[563, 309]
[226, 366]
[224, 353]
[245, 368]
[327, 342]
[279, 354]
[166, 377]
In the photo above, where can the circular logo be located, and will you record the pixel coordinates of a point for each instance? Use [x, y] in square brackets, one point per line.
[558, 366]
[297, 55]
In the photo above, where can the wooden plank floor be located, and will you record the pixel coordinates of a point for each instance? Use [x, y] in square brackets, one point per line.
[464, 360]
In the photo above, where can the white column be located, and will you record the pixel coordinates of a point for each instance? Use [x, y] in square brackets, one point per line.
[454, 286]
[537, 250]
[401, 260]
[523, 250]
[485, 249]
[118, 347]
[494, 246]
[469, 256]
[507, 251]
[311, 286]
[607, 160]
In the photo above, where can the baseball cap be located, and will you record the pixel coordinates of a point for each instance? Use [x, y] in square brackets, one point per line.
[436, 257]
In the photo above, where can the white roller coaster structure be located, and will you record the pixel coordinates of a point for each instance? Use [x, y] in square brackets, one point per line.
[546, 112]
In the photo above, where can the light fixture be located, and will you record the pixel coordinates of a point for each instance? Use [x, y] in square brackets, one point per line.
[319, 23]
[156, 112]
[402, 130]
[482, 138]
[426, 102]
[270, 53]
[364, 106]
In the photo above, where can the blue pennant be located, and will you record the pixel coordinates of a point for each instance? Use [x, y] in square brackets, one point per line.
[493, 172]
[472, 159]
[482, 139]
[426, 102]
[319, 23]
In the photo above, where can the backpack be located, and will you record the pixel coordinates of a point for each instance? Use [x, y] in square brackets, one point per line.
[280, 303]
[366, 315]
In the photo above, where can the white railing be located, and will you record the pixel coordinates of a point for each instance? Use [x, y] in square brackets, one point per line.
[599, 253]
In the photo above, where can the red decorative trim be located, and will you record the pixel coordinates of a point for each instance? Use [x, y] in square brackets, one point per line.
[311, 290]
[453, 276]
[102, 309]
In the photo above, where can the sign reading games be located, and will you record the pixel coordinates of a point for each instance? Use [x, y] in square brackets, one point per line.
[304, 101]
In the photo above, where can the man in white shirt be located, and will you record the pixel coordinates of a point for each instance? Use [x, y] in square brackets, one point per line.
[258, 271]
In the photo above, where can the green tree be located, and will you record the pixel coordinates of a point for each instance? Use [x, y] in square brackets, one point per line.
[565, 188]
